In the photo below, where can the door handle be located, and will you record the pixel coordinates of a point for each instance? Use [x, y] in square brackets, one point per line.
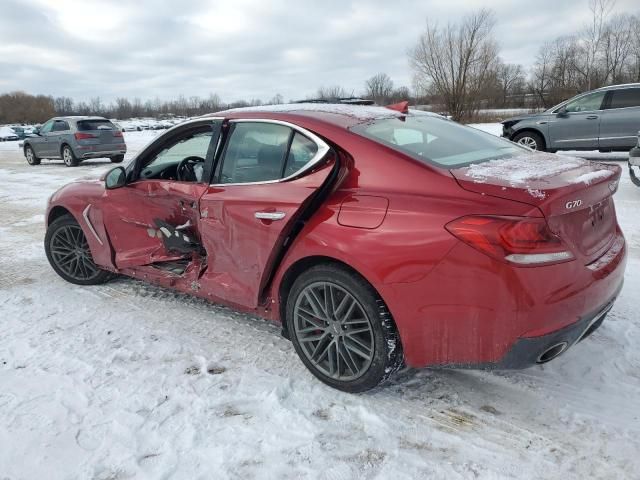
[592, 117]
[270, 215]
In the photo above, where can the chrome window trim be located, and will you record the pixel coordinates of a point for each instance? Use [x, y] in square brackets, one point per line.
[323, 149]
[620, 108]
[577, 140]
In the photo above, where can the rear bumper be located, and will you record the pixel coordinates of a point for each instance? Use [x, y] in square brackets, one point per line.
[474, 312]
[527, 352]
[82, 153]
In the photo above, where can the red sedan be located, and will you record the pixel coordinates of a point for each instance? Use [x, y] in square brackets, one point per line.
[377, 237]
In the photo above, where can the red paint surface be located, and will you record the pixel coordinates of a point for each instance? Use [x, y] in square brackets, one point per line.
[451, 303]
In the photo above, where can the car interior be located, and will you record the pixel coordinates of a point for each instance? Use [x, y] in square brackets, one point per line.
[182, 160]
[255, 152]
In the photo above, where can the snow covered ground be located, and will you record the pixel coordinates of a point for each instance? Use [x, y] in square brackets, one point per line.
[127, 380]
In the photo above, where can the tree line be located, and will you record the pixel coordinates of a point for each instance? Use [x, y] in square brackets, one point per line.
[460, 66]
[457, 70]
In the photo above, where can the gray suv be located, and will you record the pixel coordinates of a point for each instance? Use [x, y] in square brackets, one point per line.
[74, 139]
[607, 119]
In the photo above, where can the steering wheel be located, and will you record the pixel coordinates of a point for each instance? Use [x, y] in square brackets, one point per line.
[185, 171]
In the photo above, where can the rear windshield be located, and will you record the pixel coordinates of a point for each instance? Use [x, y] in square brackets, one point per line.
[85, 125]
[438, 141]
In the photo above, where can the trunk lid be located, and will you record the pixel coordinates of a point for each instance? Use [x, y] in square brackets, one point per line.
[573, 194]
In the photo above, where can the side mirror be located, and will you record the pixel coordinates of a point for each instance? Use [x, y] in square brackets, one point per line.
[115, 178]
[562, 111]
[36, 131]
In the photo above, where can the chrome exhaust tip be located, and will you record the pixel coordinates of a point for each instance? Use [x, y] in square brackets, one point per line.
[552, 352]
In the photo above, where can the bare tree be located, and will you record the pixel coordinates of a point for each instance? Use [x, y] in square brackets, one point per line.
[617, 44]
[540, 82]
[590, 41]
[510, 80]
[457, 62]
[379, 88]
[332, 93]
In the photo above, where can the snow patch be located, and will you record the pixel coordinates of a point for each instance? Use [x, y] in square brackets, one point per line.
[361, 112]
[520, 169]
[535, 193]
[591, 177]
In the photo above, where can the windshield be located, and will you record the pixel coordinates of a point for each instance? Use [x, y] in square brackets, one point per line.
[436, 140]
[86, 125]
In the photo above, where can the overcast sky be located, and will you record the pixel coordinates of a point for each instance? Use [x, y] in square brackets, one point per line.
[242, 49]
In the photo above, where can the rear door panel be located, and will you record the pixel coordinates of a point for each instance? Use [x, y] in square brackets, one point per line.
[242, 248]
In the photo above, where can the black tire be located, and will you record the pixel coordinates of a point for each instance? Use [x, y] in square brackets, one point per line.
[386, 356]
[533, 140]
[68, 157]
[117, 159]
[65, 232]
[30, 155]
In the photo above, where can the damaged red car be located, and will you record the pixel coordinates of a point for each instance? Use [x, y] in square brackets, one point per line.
[377, 237]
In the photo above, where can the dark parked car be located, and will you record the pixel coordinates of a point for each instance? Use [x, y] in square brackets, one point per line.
[74, 139]
[607, 119]
[375, 237]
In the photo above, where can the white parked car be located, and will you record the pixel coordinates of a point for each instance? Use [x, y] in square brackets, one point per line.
[8, 135]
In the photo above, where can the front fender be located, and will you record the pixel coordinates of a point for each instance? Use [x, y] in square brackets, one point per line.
[83, 200]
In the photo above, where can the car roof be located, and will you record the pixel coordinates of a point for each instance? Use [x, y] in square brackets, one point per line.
[340, 114]
[79, 117]
[622, 85]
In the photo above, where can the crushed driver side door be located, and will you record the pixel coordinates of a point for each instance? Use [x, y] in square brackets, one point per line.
[154, 217]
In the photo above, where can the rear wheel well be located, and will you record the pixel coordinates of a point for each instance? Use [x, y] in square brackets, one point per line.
[57, 212]
[62, 145]
[302, 265]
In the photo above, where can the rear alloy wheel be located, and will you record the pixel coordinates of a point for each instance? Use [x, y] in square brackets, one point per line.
[30, 155]
[530, 140]
[69, 157]
[342, 330]
[69, 254]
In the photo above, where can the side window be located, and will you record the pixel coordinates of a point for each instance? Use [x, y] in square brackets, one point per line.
[301, 151]
[255, 152]
[628, 97]
[193, 144]
[60, 126]
[588, 103]
[46, 128]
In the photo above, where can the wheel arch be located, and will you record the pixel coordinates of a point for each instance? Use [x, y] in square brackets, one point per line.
[57, 212]
[532, 130]
[303, 264]
[65, 144]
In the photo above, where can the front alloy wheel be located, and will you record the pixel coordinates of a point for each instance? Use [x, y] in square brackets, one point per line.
[31, 156]
[69, 254]
[528, 142]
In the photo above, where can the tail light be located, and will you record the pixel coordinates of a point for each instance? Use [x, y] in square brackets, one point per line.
[117, 133]
[517, 240]
[84, 136]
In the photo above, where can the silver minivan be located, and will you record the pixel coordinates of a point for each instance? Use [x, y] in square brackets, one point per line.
[607, 119]
[74, 139]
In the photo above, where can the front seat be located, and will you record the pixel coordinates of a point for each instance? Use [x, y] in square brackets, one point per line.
[270, 158]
